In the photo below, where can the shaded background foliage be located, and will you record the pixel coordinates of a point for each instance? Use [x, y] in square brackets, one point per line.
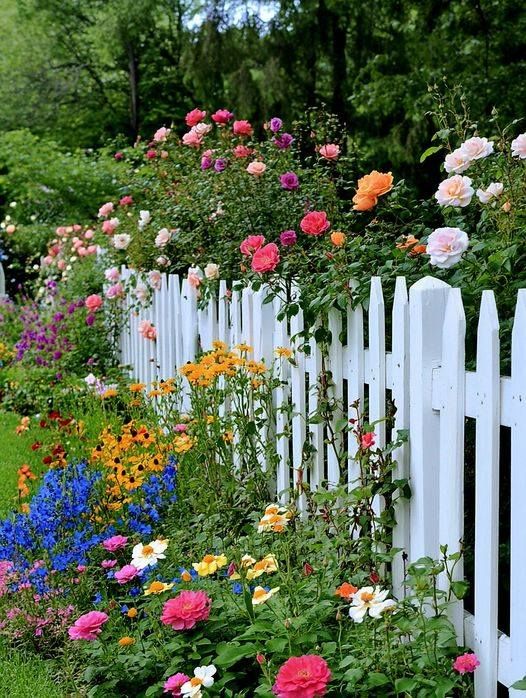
[85, 72]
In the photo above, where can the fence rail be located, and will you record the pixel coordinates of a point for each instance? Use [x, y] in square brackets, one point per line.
[424, 375]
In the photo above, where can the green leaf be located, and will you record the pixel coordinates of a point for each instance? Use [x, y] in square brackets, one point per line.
[406, 685]
[430, 151]
[519, 685]
[377, 679]
[230, 653]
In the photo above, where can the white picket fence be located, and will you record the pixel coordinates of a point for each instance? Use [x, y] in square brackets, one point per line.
[425, 375]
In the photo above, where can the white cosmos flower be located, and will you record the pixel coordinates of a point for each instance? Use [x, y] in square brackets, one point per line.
[493, 191]
[145, 555]
[476, 148]
[456, 162]
[369, 599]
[121, 241]
[518, 146]
[203, 678]
[455, 191]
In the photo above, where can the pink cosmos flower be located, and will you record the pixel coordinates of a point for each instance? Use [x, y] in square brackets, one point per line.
[108, 564]
[126, 201]
[466, 663]
[242, 128]
[330, 151]
[251, 244]
[106, 209]
[315, 223]
[114, 543]
[194, 117]
[93, 302]
[88, 626]
[302, 677]
[222, 117]
[266, 258]
[192, 139]
[186, 609]
[126, 574]
[161, 134]
[368, 440]
[147, 330]
[242, 151]
[173, 683]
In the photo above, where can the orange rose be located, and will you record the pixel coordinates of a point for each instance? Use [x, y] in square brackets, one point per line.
[364, 202]
[346, 591]
[338, 239]
[376, 183]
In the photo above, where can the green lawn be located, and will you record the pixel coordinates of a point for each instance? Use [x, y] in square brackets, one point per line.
[20, 676]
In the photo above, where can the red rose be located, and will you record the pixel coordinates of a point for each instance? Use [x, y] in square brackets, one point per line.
[315, 223]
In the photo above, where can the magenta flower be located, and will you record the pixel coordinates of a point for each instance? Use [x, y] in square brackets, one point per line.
[114, 543]
[88, 626]
[222, 117]
[275, 124]
[220, 165]
[173, 683]
[289, 181]
[288, 238]
[466, 663]
[126, 574]
[283, 141]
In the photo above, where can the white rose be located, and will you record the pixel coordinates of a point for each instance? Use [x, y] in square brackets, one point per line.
[518, 146]
[212, 271]
[202, 129]
[445, 246]
[493, 191]
[455, 191]
[163, 237]
[162, 261]
[456, 162]
[121, 241]
[476, 148]
[141, 292]
[144, 218]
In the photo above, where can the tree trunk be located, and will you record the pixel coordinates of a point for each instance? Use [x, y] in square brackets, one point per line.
[133, 76]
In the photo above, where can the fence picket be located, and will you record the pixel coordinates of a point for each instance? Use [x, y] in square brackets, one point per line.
[336, 366]
[487, 497]
[451, 472]
[281, 401]
[400, 396]
[518, 488]
[298, 397]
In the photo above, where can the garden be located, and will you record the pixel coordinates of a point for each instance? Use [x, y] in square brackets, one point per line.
[208, 474]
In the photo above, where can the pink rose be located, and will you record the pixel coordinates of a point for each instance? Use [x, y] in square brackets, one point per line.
[251, 244]
[222, 117]
[115, 291]
[256, 168]
[330, 151]
[151, 154]
[126, 574]
[192, 139]
[155, 279]
[455, 191]
[242, 128]
[195, 276]
[466, 663]
[242, 151]
[93, 302]
[88, 626]
[194, 117]
[266, 258]
[108, 564]
[315, 223]
[112, 274]
[518, 146]
[89, 235]
[147, 330]
[173, 684]
[126, 201]
[445, 246]
[161, 134]
[114, 543]
[163, 237]
[119, 156]
[106, 209]
[108, 227]
[368, 440]
[302, 677]
[92, 249]
[186, 609]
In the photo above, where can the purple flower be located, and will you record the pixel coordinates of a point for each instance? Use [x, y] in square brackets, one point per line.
[57, 355]
[220, 164]
[288, 238]
[289, 181]
[275, 124]
[206, 162]
[283, 141]
[90, 319]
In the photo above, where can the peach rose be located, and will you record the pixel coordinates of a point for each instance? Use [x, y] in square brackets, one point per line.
[364, 202]
[338, 239]
[256, 168]
[375, 184]
[93, 302]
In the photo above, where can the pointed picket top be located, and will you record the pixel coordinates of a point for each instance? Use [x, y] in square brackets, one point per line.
[428, 283]
[518, 487]
[377, 359]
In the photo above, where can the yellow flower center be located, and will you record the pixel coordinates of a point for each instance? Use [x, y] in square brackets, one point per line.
[367, 596]
[196, 681]
[147, 550]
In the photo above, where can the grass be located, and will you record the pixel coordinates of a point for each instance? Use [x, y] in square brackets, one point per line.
[21, 676]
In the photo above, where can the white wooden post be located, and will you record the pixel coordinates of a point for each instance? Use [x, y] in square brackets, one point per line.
[336, 367]
[518, 492]
[355, 379]
[400, 396]
[281, 401]
[451, 480]
[299, 407]
[427, 303]
[316, 474]
[377, 369]
[487, 497]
